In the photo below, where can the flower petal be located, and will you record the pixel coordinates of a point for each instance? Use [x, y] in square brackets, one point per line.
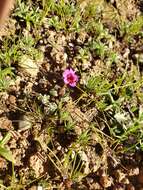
[70, 77]
[73, 84]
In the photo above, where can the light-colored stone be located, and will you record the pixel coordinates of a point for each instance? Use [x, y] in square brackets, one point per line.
[29, 66]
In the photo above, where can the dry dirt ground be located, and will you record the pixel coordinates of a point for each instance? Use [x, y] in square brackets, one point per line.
[60, 137]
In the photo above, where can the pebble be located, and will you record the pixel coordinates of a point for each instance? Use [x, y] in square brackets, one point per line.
[134, 171]
[12, 99]
[138, 58]
[29, 66]
[24, 123]
[105, 181]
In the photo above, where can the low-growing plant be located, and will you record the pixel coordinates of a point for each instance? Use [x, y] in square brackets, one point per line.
[6, 76]
[3, 150]
[31, 16]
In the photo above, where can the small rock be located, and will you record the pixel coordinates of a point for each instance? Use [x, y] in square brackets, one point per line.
[85, 159]
[134, 171]
[33, 188]
[125, 180]
[126, 54]
[39, 187]
[96, 186]
[37, 165]
[53, 92]
[29, 66]
[138, 58]
[12, 99]
[2, 163]
[119, 175]
[105, 181]
[25, 123]
[5, 123]
[36, 188]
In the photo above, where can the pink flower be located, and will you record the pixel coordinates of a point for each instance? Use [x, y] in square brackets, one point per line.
[70, 77]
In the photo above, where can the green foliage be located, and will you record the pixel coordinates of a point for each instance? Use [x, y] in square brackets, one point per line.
[100, 49]
[73, 165]
[132, 28]
[128, 131]
[32, 16]
[135, 26]
[99, 85]
[67, 119]
[66, 16]
[5, 78]
[84, 138]
[4, 151]
[9, 51]
[111, 83]
[93, 10]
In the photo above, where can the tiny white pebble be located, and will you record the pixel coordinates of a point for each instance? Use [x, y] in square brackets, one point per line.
[71, 45]
[59, 148]
[40, 188]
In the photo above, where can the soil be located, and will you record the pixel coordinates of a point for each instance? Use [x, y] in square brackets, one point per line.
[30, 112]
